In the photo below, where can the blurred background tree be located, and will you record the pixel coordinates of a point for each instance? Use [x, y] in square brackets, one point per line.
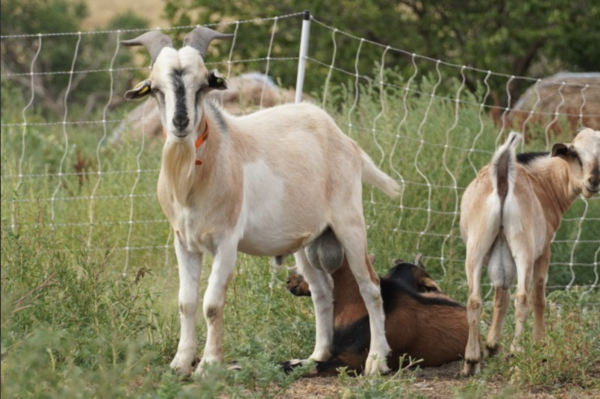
[533, 38]
[88, 90]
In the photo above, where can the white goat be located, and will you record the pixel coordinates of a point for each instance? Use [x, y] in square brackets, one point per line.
[267, 183]
[509, 215]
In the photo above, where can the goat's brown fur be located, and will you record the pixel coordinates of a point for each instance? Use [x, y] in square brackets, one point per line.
[508, 221]
[428, 326]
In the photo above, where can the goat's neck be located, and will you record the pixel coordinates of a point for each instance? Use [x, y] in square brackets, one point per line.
[179, 172]
[554, 188]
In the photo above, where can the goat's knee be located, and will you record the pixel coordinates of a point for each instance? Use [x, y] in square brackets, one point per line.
[187, 308]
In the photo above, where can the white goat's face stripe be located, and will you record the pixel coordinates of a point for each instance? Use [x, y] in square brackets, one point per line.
[179, 76]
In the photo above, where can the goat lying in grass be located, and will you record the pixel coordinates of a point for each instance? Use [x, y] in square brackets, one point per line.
[509, 215]
[420, 322]
[239, 183]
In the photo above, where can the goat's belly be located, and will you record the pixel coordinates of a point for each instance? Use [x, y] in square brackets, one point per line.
[273, 222]
[272, 244]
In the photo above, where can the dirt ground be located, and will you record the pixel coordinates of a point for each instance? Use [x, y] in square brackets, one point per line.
[436, 383]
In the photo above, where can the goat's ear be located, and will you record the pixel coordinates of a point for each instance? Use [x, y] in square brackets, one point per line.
[216, 80]
[430, 285]
[396, 262]
[417, 261]
[141, 90]
[560, 150]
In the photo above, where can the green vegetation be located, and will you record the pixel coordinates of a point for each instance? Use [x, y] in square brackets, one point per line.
[82, 316]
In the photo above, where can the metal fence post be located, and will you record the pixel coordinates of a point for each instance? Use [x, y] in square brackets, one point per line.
[303, 55]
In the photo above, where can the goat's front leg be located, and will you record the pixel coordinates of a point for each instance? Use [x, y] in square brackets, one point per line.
[214, 302]
[190, 267]
[321, 289]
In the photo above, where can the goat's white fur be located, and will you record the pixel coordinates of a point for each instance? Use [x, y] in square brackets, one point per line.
[514, 235]
[270, 183]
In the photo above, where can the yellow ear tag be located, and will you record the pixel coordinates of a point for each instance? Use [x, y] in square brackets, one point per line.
[142, 87]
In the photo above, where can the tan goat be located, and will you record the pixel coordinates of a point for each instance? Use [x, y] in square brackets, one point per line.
[509, 215]
[267, 183]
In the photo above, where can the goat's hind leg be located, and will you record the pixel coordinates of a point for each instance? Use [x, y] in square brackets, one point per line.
[321, 289]
[540, 274]
[501, 302]
[353, 237]
[473, 265]
[190, 265]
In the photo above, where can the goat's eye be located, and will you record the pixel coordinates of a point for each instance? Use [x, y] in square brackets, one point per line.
[574, 155]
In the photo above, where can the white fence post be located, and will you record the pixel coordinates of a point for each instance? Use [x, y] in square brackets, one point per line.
[303, 55]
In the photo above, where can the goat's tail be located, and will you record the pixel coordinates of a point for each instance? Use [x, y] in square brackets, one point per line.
[502, 172]
[501, 266]
[373, 175]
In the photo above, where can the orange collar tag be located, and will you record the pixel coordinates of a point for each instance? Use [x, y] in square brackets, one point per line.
[200, 141]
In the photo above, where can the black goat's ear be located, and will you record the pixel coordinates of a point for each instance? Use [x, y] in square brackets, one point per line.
[141, 90]
[560, 150]
[216, 80]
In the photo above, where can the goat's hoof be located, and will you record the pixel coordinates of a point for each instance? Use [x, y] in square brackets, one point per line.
[234, 366]
[183, 365]
[491, 350]
[204, 367]
[297, 285]
[290, 365]
[472, 367]
[376, 365]
[319, 356]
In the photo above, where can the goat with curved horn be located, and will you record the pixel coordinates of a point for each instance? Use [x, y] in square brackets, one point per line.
[201, 37]
[154, 41]
[226, 185]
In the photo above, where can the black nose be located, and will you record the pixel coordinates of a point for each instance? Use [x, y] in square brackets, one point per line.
[181, 122]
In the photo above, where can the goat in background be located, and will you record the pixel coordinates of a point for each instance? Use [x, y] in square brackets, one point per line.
[240, 183]
[509, 215]
[420, 322]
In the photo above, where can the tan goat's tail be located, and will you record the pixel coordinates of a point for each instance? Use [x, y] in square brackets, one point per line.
[501, 266]
[373, 175]
[503, 166]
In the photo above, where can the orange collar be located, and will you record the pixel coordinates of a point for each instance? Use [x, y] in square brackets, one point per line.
[201, 139]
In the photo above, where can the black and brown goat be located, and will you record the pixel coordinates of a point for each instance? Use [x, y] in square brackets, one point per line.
[420, 322]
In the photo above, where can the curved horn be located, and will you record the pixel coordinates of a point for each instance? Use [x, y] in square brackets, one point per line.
[201, 37]
[154, 41]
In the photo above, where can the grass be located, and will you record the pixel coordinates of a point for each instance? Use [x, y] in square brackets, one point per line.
[89, 304]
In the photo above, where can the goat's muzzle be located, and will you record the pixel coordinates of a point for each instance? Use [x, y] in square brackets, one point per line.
[181, 123]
